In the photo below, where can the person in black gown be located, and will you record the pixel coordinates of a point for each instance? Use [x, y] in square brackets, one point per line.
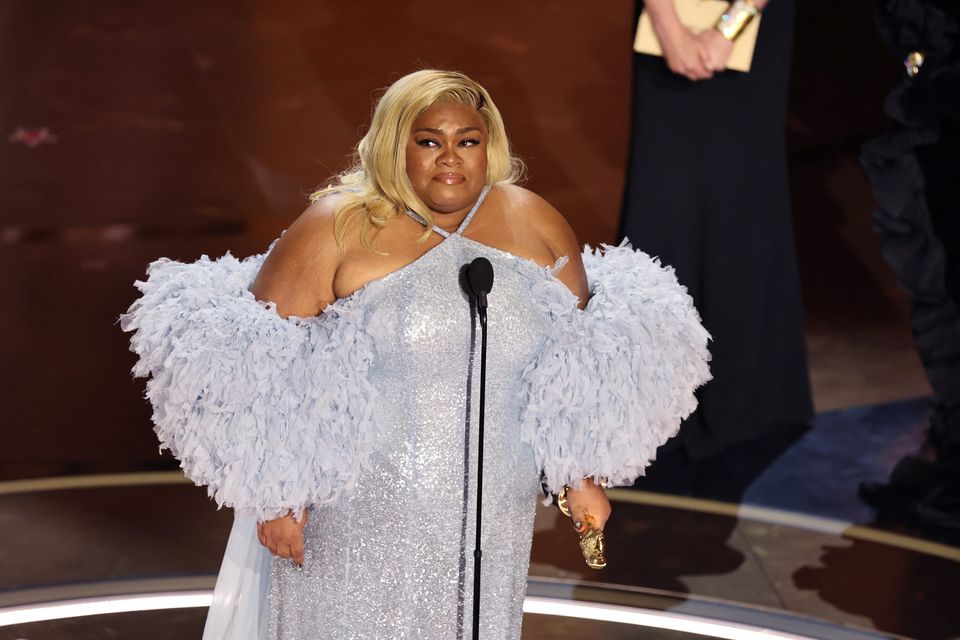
[913, 168]
[707, 192]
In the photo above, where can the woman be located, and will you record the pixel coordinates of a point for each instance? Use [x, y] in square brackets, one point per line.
[348, 429]
[707, 192]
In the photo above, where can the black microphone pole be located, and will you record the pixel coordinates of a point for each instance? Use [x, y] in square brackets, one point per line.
[480, 281]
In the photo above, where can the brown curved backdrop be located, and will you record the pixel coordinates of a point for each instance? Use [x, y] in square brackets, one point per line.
[188, 128]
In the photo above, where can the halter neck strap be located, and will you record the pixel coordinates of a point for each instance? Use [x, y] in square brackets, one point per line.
[466, 221]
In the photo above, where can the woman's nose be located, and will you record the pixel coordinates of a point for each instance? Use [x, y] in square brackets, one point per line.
[449, 157]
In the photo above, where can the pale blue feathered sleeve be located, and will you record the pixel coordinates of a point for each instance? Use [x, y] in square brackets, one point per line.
[270, 414]
[615, 379]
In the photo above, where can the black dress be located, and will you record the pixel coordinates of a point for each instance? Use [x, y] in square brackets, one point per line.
[707, 192]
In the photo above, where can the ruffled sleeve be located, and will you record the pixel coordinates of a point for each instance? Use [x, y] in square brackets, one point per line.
[614, 380]
[270, 414]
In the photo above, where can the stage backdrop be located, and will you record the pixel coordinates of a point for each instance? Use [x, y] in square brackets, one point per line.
[154, 128]
[147, 128]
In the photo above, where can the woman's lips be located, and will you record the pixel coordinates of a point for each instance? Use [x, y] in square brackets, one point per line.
[450, 178]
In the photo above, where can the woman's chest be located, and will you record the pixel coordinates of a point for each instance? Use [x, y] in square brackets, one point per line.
[421, 318]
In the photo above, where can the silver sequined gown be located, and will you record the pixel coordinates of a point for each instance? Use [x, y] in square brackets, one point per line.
[369, 413]
[395, 558]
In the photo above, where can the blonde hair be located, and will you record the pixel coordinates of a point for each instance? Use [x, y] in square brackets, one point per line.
[376, 187]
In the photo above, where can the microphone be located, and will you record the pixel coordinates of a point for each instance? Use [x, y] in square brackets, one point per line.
[479, 282]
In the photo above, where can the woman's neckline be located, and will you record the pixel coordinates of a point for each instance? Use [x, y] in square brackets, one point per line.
[463, 223]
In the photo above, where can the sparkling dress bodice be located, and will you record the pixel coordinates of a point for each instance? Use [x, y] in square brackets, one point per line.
[395, 558]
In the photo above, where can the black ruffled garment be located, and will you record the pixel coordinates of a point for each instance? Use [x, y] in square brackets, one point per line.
[914, 168]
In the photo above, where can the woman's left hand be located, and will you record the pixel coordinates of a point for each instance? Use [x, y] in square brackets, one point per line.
[589, 505]
[715, 51]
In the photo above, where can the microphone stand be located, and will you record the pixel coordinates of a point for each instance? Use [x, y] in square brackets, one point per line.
[477, 280]
[477, 552]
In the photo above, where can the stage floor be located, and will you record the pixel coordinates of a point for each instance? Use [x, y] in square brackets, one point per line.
[797, 553]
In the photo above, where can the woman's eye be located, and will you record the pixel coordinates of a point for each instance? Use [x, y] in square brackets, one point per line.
[469, 142]
[427, 142]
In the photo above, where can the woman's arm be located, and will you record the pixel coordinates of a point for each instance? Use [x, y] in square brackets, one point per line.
[298, 277]
[590, 501]
[298, 274]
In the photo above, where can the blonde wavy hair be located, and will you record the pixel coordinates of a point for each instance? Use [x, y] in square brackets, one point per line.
[376, 186]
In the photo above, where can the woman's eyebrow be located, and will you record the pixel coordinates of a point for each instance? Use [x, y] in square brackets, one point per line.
[439, 132]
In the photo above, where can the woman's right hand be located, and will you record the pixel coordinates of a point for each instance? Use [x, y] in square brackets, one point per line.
[682, 50]
[685, 53]
[284, 537]
[716, 48]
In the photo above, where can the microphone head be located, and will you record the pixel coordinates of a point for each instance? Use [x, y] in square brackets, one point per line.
[480, 276]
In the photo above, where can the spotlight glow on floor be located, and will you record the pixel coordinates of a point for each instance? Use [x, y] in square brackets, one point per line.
[26, 614]
[652, 618]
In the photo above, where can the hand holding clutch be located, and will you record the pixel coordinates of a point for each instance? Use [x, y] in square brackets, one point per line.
[716, 49]
[592, 540]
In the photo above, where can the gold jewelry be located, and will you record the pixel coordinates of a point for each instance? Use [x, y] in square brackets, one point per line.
[592, 541]
[562, 503]
[737, 16]
[913, 62]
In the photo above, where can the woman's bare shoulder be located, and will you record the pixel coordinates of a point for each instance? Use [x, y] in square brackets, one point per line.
[543, 224]
[298, 274]
[315, 225]
[534, 215]
[522, 200]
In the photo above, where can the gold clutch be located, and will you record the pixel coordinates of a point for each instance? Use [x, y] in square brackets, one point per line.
[700, 15]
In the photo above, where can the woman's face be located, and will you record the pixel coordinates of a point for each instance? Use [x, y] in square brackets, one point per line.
[447, 157]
